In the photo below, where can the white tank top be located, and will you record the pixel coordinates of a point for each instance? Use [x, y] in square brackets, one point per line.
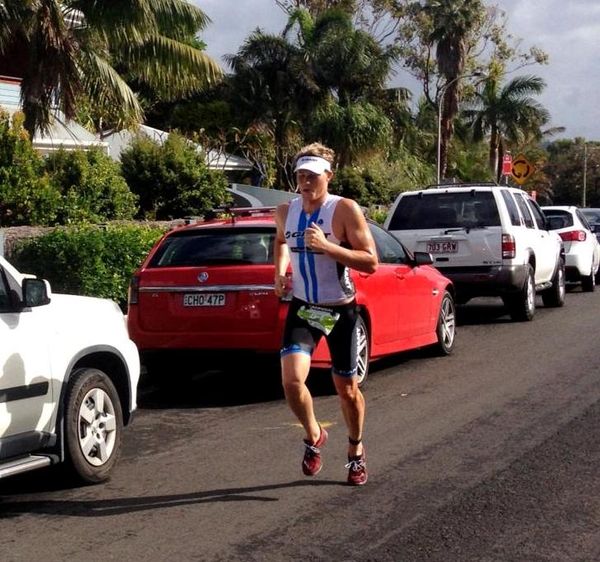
[316, 278]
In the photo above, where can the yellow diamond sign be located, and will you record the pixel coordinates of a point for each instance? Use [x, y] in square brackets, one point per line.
[522, 169]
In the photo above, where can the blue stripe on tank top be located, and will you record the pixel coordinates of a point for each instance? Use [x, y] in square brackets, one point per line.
[311, 262]
[300, 246]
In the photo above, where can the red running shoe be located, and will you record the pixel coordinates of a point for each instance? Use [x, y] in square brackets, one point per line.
[357, 470]
[311, 463]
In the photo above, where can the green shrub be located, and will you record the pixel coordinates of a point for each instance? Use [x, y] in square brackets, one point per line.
[26, 195]
[172, 180]
[378, 181]
[88, 260]
[91, 185]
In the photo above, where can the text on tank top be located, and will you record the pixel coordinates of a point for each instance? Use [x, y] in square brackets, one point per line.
[316, 278]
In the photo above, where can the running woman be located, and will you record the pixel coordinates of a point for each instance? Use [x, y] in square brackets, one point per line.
[322, 235]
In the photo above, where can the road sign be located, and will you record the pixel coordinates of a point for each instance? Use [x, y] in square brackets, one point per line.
[507, 165]
[522, 169]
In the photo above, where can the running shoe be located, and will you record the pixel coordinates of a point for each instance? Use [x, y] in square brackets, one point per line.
[357, 470]
[311, 463]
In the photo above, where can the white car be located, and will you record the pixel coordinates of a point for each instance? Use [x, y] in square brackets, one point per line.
[68, 379]
[490, 240]
[582, 250]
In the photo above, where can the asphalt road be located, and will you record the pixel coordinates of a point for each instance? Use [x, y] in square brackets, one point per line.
[490, 454]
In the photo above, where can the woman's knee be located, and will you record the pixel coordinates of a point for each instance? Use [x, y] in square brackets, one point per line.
[347, 390]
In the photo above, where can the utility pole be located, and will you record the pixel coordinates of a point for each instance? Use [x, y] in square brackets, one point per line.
[583, 203]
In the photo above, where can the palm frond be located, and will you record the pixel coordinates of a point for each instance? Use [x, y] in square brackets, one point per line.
[105, 86]
[171, 67]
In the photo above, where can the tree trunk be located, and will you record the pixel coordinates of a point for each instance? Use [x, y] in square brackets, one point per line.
[449, 103]
[494, 158]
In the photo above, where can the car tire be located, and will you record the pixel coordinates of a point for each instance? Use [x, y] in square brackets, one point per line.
[362, 350]
[446, 326]
[93, 425]
[588, 282]
[555, 295]
[521, 306]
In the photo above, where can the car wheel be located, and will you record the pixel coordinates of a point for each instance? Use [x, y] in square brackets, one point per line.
[446, 326]
[93, 425]
[362, 351]
[588, 283]
[521, 306]
[555, 295]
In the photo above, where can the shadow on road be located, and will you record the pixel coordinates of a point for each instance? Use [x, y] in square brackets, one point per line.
[119, 506]
[482, 311]
[254, 381]
[491, 310]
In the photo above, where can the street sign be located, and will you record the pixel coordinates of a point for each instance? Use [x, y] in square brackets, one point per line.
[522, 169]
[507, 164]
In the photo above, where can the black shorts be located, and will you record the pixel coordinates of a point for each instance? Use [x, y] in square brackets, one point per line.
[299, 336]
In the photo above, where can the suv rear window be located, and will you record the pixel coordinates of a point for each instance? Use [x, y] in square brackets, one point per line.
[191, 248]
[465, 209]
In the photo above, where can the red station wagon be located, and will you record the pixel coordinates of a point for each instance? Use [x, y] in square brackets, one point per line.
[208, 286]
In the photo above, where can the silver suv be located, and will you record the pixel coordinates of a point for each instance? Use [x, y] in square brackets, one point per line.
[490, 240]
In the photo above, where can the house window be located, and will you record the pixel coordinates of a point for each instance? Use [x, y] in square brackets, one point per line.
[10, 90]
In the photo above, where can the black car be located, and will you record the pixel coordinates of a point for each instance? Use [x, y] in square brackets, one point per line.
[592, 214]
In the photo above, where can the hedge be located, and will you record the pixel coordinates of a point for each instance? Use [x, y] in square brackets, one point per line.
[88, 260]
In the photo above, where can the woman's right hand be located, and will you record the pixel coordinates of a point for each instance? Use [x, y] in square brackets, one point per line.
[282, 285]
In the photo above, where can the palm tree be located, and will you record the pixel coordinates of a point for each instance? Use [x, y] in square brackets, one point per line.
[507, 114]
[270, 92]
[67, 50]
[349, 69]
[452, 24]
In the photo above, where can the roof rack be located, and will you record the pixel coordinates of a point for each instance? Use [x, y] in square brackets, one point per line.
[243, 211]
[235, 212]
[463, 184]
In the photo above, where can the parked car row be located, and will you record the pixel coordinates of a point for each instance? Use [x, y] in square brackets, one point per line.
[70, 368]
[209, 285]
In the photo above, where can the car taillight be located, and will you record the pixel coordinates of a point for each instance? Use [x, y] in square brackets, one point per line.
[134, 290]
[509, 247]
[574, 236]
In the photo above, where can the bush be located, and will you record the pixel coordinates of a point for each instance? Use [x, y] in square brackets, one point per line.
[26, 196]
[377, 182]
[172, 180]
[88, 260]
[91, 185]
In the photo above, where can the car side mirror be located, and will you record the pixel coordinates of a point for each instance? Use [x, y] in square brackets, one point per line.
[36, 292]
[422, 258]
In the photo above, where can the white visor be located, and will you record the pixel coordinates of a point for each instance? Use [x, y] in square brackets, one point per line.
[314, 164]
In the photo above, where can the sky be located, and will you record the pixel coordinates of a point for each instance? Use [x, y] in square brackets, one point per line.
[567, 30]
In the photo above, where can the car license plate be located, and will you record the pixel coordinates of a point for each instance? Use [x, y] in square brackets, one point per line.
[204, 299]
[447, 247]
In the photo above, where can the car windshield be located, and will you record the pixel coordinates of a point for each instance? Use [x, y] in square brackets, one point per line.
[221, 246]
[465, 209]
